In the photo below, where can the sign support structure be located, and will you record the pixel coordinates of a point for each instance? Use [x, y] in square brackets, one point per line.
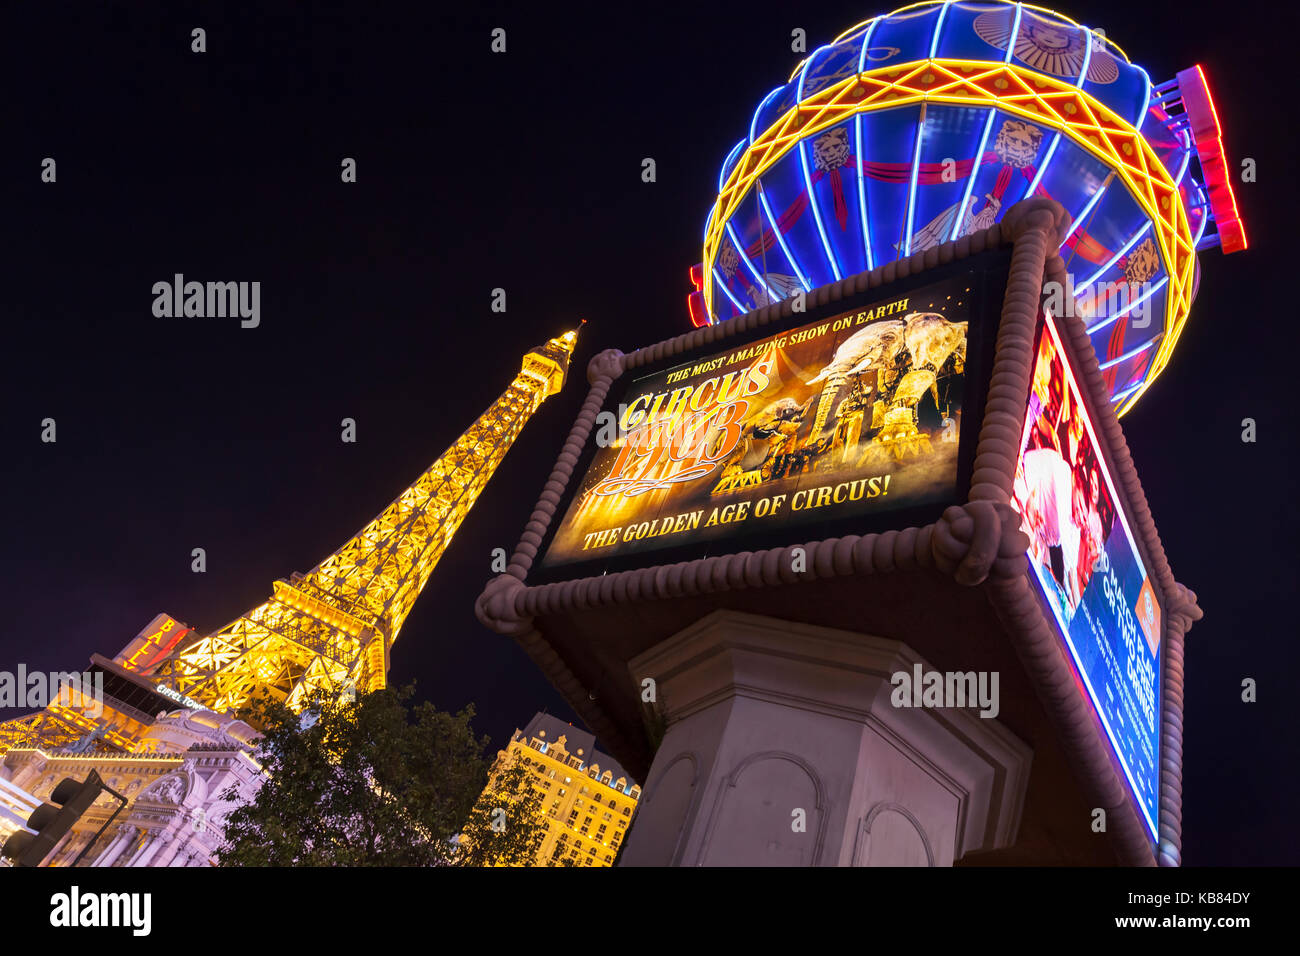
[970, 562]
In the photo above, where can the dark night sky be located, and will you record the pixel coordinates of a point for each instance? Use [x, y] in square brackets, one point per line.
[520, 171]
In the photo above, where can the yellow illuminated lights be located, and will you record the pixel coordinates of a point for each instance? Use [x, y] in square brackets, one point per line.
[102, 758]
[332, 627]
[1012, 89]
[938, 3]
[553, 769]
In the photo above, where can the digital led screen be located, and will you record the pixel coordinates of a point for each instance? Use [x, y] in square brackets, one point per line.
[1088, 567]
[848, 415]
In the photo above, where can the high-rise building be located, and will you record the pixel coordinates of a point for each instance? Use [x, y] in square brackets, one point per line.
[589, 800]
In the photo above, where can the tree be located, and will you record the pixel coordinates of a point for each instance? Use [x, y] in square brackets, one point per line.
[365, 783]
[507, 825]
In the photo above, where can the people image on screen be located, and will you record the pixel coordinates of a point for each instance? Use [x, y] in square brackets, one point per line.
[1087, 491]
[1049, 479]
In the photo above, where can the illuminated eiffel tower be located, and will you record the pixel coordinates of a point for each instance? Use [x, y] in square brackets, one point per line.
[333, 627]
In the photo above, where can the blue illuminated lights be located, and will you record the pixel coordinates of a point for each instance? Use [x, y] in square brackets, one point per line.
[926, 166]
[1090, 571]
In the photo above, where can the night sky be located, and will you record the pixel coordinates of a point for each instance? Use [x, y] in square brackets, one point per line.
[519, 171]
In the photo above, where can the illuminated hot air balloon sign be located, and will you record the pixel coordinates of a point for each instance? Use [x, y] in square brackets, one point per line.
[928, 123]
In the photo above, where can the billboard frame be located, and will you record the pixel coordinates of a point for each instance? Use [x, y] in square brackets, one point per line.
[989, 270]
[977, 544]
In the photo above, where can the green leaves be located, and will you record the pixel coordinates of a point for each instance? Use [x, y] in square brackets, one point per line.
[373, 783]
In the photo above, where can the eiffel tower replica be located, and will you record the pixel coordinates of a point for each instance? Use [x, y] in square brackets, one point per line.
[333, 627]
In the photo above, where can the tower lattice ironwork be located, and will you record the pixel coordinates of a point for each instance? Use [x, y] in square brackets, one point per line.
[334, 626]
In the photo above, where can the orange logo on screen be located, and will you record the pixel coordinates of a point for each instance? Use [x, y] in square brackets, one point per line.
[700, 426]
[1148, 615]
[152, 649]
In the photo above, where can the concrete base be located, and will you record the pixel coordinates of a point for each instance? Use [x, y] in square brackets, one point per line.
[782, 748]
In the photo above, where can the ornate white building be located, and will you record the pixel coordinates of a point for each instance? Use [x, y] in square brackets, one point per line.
[174, 781]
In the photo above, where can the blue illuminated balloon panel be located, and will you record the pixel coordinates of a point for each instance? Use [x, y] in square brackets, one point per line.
[891, 182]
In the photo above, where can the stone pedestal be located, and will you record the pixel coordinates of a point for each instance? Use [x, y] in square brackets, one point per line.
[782, 748]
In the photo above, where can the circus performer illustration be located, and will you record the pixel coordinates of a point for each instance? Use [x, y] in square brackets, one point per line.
[773, 431]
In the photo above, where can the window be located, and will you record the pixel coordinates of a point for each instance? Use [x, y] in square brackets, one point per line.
[573, 817]
[627, 811]
[621, 784]
[609, 859]
[591, 853]
[600, 833]
[596, 799]
[636, 793]
[562, 792]
[566, 779]
[586, 822]
[584, 790]
[607, 817]
[607, 778]
[586, 861]
[564, 838]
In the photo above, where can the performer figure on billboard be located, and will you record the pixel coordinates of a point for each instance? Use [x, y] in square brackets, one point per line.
[1048, 480]
[780, 430]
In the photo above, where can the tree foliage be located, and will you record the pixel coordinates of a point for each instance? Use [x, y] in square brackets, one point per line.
[370, 782]
[506, 826]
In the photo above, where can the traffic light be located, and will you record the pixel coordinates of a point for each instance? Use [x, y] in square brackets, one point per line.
[52, 822]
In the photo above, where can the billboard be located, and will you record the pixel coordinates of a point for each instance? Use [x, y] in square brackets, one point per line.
[853, 414]
[1088, 568]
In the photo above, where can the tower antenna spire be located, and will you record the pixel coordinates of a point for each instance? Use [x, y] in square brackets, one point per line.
[334, 626]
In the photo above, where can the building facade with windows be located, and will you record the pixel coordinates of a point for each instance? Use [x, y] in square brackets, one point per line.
[588, 798]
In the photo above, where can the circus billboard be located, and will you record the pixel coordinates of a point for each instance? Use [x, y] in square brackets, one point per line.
[1089, 570]
[853, 415]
